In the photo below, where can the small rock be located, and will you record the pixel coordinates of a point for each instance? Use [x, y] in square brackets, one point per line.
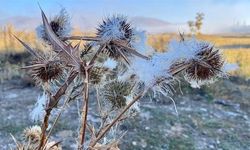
[134, 143]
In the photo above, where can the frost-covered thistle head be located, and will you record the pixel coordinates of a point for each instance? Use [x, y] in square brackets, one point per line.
[206, 66]
[96, 75]
[45, 68]
[115, 28]
[116, 33]
[33, 134]
[31, 139]
[60, 24]
[202, 61]
[116, 92]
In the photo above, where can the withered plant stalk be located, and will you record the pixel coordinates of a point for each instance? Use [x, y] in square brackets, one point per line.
[53, 101]
[85, 108]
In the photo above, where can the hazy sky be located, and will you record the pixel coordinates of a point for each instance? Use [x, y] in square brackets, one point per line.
[220, 15]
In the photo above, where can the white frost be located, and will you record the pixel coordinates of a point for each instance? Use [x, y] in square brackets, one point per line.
[38, 112]
[112, 29]
[110, 63]
[135, 106]
[139, 42]
[148, 71]
[185, 50]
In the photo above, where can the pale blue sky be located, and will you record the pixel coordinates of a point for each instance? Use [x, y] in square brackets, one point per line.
[219, 14]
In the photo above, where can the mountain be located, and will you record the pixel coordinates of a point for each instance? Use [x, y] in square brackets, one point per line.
[154, 25]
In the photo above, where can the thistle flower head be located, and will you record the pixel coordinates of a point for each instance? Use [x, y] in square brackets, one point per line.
[33, 134]
[60, 24]
[202, 61]
[117, 35]
[45, 69]
[96, 75]
[115, 28]
[205, 67]
[116, 92]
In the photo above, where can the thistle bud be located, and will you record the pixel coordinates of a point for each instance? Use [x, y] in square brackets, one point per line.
[45, 69]
[33, 134]
[116, 93]
[112, 31]
[60, 24]
[206, 66]
[115, 28]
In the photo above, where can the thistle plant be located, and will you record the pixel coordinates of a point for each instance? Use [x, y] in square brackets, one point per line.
[122, 68]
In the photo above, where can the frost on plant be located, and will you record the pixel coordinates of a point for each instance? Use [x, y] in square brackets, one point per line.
[121, 68]
[60, 24]
[38, 112]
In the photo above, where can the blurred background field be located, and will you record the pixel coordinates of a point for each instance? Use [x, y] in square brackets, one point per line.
[236, 49]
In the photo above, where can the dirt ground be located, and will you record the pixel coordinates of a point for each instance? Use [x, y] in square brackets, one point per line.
[211, 118]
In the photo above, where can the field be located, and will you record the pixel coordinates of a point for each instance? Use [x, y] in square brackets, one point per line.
[236, 49]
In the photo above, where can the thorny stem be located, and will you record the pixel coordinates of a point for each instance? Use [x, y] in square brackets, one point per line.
[44, 128]
[117, 118]
[85, 109]
[102, 133]
[52, 103]
[58, 116]
[61, 91]
[87, 69]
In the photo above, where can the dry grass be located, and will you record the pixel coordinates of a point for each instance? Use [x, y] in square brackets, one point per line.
[241, 57]
[9, 44]
[158, 41]
[226, 40]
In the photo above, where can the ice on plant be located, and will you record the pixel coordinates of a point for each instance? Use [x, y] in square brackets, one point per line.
[110, 63]
[139, 42]
[62, 20]
[38, 112]
[112, 29]
[184, 50]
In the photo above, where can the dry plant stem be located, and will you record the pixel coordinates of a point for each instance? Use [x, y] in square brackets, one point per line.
[87, 69]
[85, 109]
[52, 103]
[55, 99]
[85, 38]
[117, 118]
[173, 72]
[57, 117]
[44, 128]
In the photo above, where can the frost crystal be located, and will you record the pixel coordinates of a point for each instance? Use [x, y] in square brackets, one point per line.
[38, 112]
[110, 63]
[139, 42]
[114, 28]
[60, 24]
[185, 50]
[148, 71]
[135, 106]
